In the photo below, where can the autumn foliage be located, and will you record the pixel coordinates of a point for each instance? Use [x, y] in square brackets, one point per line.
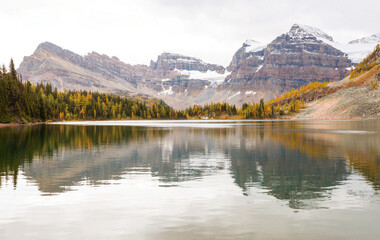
[367, 64]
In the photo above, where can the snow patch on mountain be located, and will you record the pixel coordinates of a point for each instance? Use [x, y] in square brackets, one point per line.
[175, 57]
[253, 46]
[356, 50]
[233, 95]
[250, 92]
[213, 77]
[367, 40]
[168, 91]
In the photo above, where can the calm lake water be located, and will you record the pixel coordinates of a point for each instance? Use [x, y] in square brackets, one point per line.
[191, 180]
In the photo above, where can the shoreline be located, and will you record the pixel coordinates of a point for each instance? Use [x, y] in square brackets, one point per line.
[2, 125]
[20, 124]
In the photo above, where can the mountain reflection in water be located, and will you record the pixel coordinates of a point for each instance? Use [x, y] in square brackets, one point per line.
[299, 162]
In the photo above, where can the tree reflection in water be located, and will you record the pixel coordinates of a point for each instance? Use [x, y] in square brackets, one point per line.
[295, 161]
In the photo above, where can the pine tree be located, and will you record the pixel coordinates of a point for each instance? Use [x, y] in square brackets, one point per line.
[12, 69]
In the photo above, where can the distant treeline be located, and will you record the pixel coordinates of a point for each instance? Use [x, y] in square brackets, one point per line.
[25, 102]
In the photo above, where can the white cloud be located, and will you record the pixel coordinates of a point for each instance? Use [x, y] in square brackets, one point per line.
[137, 31]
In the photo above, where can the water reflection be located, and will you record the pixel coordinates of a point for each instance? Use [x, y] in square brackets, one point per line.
[299, 162]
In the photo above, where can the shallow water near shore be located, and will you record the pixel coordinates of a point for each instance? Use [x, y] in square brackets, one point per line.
[191, 180]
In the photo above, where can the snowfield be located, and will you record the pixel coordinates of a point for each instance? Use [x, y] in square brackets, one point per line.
[250, 92]
[212, 76]
[168, 91]
[356, 52]
[233, 95]
[254, 46]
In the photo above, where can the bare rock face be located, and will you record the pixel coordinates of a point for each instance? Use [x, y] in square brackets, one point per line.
[247, 60]
[300, 55]
[172, 61]
[250, 48]
[195, 81]
[67, 70]
[291, 60]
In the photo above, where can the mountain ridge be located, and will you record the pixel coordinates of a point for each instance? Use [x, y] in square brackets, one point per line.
[257, 70]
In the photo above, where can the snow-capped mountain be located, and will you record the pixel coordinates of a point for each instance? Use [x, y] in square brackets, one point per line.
[257, 70]
[356, 50]
[289, 61]
[305, 32]
[294, 58]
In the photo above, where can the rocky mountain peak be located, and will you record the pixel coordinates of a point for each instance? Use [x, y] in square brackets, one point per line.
[171, 61]
[292, 59]
[299, 31]
[179, 58]
[48, 47]
[101, 57]
[251, 54]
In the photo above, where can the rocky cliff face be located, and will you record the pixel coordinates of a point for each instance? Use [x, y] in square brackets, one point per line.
[247, 59]
[299, 57]
[172, 61]
[195, 81]
[67, 70]
[291, 60]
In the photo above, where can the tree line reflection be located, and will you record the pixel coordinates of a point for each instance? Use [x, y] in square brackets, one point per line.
[291, 161]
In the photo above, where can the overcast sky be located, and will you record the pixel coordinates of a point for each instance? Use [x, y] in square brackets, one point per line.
[137, 31]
